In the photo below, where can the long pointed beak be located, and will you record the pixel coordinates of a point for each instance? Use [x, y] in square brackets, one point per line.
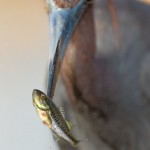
[62, 22]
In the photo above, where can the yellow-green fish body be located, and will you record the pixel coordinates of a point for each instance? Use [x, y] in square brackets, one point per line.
[44, 116]
[52, 117]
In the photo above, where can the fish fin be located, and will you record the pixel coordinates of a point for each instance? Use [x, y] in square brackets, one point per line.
[62, 111]
[75, 143]
[69, 124]
[56, 137]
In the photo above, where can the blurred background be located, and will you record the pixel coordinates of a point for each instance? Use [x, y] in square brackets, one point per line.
[23, 64]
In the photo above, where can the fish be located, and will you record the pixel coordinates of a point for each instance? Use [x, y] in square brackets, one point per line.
[53, 117]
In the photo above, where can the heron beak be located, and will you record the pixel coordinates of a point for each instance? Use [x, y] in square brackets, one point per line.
[62, 22]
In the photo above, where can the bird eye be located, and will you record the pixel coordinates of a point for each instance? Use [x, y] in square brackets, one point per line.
[42, 96]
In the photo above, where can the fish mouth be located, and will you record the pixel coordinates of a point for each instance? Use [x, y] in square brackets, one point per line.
[34, 96]
[62, 22]
[35, 92]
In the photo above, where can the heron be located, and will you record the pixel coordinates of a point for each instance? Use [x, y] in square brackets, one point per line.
[102, 49]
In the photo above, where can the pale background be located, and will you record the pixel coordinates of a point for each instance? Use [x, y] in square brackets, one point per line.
[23, 64]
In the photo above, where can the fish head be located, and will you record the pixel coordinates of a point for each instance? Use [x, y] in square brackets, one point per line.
[40, 100]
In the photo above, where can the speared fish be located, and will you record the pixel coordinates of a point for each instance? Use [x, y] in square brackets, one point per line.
[53, 117]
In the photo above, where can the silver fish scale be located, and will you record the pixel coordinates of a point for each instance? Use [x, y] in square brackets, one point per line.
[58, 121]
[61, 129]
[57, 117]
[58, 130]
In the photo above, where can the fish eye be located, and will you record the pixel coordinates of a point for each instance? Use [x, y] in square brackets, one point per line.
[43, 96]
